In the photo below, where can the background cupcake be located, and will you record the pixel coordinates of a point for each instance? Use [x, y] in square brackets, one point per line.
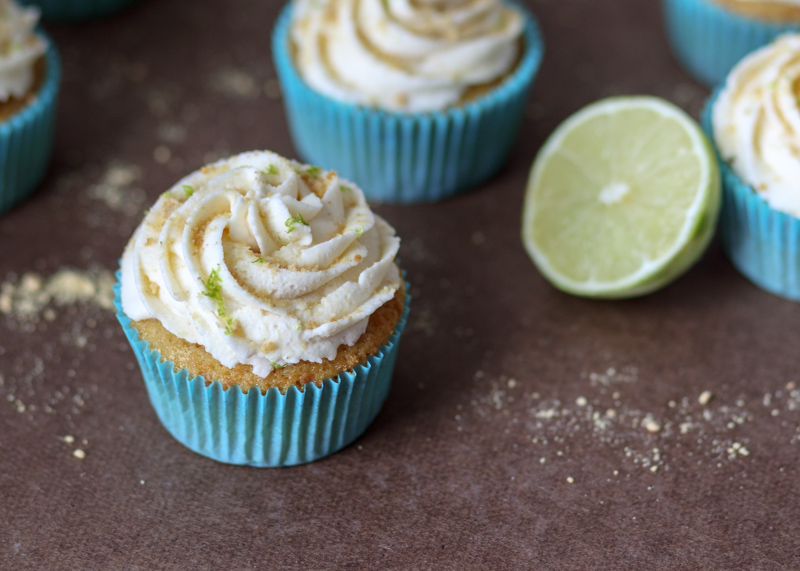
[754, 121]
[412, 102]
[30, 75]
[276, 282]
[78, 10]
[709, 36]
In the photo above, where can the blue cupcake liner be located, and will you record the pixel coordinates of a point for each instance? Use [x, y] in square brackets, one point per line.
[26, 138]
[708, 39]
[265, 430]
[763, 243]
[407, 157]
[77, 10]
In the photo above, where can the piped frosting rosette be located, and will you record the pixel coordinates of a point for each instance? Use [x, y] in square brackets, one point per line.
[20, 47]
[409, 55]
[262, 261]
[757, 123]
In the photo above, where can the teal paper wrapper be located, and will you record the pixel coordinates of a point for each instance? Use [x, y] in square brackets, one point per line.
[407, 157]
[78, 10]
[763, 243]
[269, 430]
[708, 40]
[26, 138]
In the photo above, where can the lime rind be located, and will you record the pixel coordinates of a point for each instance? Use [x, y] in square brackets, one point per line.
[699, 220]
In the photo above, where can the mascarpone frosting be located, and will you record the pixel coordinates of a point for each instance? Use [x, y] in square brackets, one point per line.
[757, 122]
[20, 47]
[404, 55]
[245, 259]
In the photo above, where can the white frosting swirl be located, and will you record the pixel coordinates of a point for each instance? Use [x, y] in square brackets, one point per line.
[293, 274]
[20, 47]
[404, 55]
[757, 122]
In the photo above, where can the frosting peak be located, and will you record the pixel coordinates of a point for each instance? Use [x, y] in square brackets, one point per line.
[261, 260]
[20, 47]
[757, 122]
[404, 55]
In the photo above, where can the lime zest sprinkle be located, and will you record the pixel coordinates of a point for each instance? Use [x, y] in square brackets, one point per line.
[296, 219]
[345, 188]
[188, 190]
[359, 232]
[275, 364]
[313, 171]
[213, 289]
[258, 260]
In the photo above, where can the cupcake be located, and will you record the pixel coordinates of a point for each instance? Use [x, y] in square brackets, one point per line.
[264, 303]
[710, 36]
[78, 10]
[754, 121]
[413, 101]
[30, 75]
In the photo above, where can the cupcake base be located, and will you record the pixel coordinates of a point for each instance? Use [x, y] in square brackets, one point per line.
[407, 157]
[761, 242]
[265, 430]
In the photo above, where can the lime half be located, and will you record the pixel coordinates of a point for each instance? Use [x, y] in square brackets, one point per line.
[622, 199]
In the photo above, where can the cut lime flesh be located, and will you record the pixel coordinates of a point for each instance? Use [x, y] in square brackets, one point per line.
[622, 199]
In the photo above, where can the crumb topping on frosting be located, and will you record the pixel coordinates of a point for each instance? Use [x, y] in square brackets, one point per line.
[250, 260]
[404, 55]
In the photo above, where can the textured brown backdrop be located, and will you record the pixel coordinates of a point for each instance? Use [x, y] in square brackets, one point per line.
[525, 428]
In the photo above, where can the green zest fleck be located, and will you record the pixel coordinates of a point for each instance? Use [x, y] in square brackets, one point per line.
[313, 172]
[345, 188]
[272, 170]
[189, 190]
[297, 219]
[275, 364]
[359, 232]
[299, 326]
[258, 260]
[213, 289]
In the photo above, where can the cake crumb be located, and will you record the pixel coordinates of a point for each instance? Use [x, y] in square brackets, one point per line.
[570, 480]
[79, 454]
[651, 425]
[581, 401]
[68, 439]
[705, 397]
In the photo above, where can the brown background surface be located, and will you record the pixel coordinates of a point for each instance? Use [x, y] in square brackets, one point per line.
[468, 464]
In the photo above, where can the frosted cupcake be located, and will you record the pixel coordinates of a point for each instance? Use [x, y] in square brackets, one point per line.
[710, 36]
[264, 303]
[754, 121]
[78, 10]
[30, 75]
[415, 101]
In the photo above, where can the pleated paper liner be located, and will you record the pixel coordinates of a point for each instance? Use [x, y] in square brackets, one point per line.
[407, 157]
[26, 138]
[708, 39]
[763, 243]
[265, 430]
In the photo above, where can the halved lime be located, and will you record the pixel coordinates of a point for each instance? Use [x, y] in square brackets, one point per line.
[622, 199]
